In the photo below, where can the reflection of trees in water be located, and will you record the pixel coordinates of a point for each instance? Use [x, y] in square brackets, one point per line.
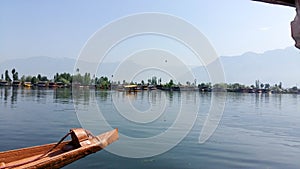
[4, 93]
[263, 100]
[14, 95]
[81, 95]
[170, 95]
[103, 95]
[41, 93]
[62, 95]
[28, 93]
[259, 98]
[189, 97]
[9, 94]
[205, 97]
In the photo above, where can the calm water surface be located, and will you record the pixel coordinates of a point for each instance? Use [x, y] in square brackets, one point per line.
[256, 130]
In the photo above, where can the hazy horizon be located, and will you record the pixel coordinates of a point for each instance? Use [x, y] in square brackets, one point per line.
[275, 66]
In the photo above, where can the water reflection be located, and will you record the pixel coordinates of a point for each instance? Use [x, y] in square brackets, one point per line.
[276, 99]
[244, 139]
[141, 100]
[103, 95]
[63, 95]
[12, 95]
[4, 93]
[81, 96]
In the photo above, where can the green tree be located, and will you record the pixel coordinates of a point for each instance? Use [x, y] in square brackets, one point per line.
[34, 80]
[13, 71]
[280, 85]
[44, 78]
[257, 84]
[78, 79]
[87, 79]
[14, 74]
[7, 78]
[65, 78]
[220, 86]
[23, 79]
[102, 83]
[39, 77]
[154, 80]
[1, 76]
[170, 84]
[28, 79]
[56, 77]
[267, 86]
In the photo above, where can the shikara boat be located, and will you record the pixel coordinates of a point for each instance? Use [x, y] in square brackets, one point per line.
[57, 155]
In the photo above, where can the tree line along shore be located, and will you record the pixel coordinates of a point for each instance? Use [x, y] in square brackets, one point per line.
[66, 80]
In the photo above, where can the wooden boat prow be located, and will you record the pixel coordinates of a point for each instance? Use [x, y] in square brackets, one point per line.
[82, 144]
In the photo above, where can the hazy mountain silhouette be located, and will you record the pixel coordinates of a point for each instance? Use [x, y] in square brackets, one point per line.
[280, 65]
[46, 66]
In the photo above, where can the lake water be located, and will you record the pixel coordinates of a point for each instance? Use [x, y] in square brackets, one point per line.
[255, 131]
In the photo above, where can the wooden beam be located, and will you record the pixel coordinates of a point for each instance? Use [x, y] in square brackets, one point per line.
[290, 3]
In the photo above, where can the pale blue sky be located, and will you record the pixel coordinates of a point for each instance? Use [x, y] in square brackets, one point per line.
[61, 28]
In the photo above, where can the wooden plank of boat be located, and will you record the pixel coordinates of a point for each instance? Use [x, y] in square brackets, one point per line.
[82, 144]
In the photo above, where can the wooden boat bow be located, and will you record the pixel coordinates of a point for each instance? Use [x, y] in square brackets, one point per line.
[57, 155]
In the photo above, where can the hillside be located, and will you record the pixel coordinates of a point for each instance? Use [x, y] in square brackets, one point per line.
[281, 65]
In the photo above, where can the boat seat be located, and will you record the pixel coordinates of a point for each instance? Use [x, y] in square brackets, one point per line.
[79, 137]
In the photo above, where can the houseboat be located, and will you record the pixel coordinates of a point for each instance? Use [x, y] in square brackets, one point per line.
[42, 84]
[27, 84]
[16, 83]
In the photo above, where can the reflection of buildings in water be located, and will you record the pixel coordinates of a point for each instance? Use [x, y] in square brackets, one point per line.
[27, 92]
[131, 95]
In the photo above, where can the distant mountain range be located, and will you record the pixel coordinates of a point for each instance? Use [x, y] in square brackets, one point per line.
[44, 65]
[281, 65]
